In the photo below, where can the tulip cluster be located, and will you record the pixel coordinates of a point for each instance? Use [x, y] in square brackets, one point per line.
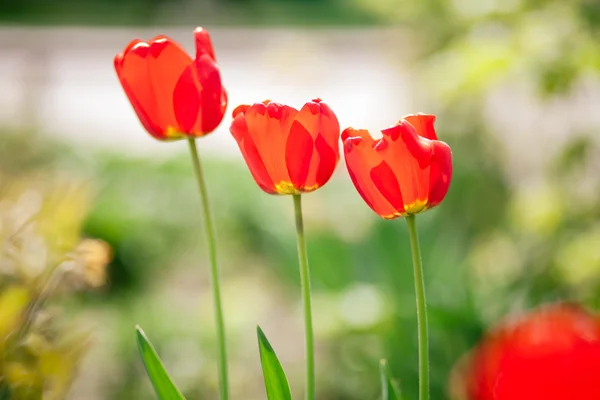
[288, 152]
[552, 353]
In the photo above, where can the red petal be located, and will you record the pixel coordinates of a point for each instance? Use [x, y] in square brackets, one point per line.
[142, 113]
[409, 157]
[240, 109]
[213, 98]
[186, 100]
[150, 72]
[239, 130]
[167, 61]
[199, 98]
[440, 173]
[298, 154]
[386, 182]
[145, 111]
[203, 44]
[318, 119]
[423, 123]
[328, 160]
[362, 133]
[359, 188]
[269, 127]
[361, 159]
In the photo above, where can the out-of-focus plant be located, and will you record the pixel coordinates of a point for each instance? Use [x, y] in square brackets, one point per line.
[389, 387]
[42, 260]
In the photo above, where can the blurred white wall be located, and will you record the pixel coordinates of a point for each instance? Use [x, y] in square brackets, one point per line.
[63, 81]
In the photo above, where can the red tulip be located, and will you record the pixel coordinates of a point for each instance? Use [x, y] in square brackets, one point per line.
[405, 172]
[288, 151]
[173, 95]
[552, 353]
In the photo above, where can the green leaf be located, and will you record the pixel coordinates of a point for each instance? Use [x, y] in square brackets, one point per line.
[164, 387]
[275, 380]
[4, 390]
[389, 387]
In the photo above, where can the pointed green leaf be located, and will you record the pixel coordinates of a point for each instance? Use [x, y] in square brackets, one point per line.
[275, 380]
[389, 387]
[164, 387]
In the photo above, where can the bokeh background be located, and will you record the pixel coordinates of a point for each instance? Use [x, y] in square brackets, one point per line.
[100, 225]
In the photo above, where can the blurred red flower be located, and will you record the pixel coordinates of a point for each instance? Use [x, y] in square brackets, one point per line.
[405, 172]
[173, 95]
[288, 151]
[552, 353]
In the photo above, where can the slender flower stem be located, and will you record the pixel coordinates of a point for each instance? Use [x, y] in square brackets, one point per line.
[421, 309]
[305, 283]
[214, 271]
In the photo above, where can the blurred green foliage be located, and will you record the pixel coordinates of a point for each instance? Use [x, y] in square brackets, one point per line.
[489, 248]
[185, 12]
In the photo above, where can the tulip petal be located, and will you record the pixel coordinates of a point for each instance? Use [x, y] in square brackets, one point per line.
[149, 73]
[142, 112]
[166, 66]
[298, 154]
[242, 108]
[409, 156]
[328, 160]
[144, 109]
[213, 97]
[239, 130]
[319, 120]
[423, 123]
[186, 100]
[269, 127]
[361, 159]
[440, 173]
[386, 182]
[203, 44]
[361, 133]
[199, 98]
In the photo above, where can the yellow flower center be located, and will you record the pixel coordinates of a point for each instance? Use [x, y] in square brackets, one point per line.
[415, 208]
[172, 133]
[286, 188]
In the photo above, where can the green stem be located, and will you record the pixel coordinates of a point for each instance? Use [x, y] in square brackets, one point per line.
[305, 283]
[214, 271]
[421, 309]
